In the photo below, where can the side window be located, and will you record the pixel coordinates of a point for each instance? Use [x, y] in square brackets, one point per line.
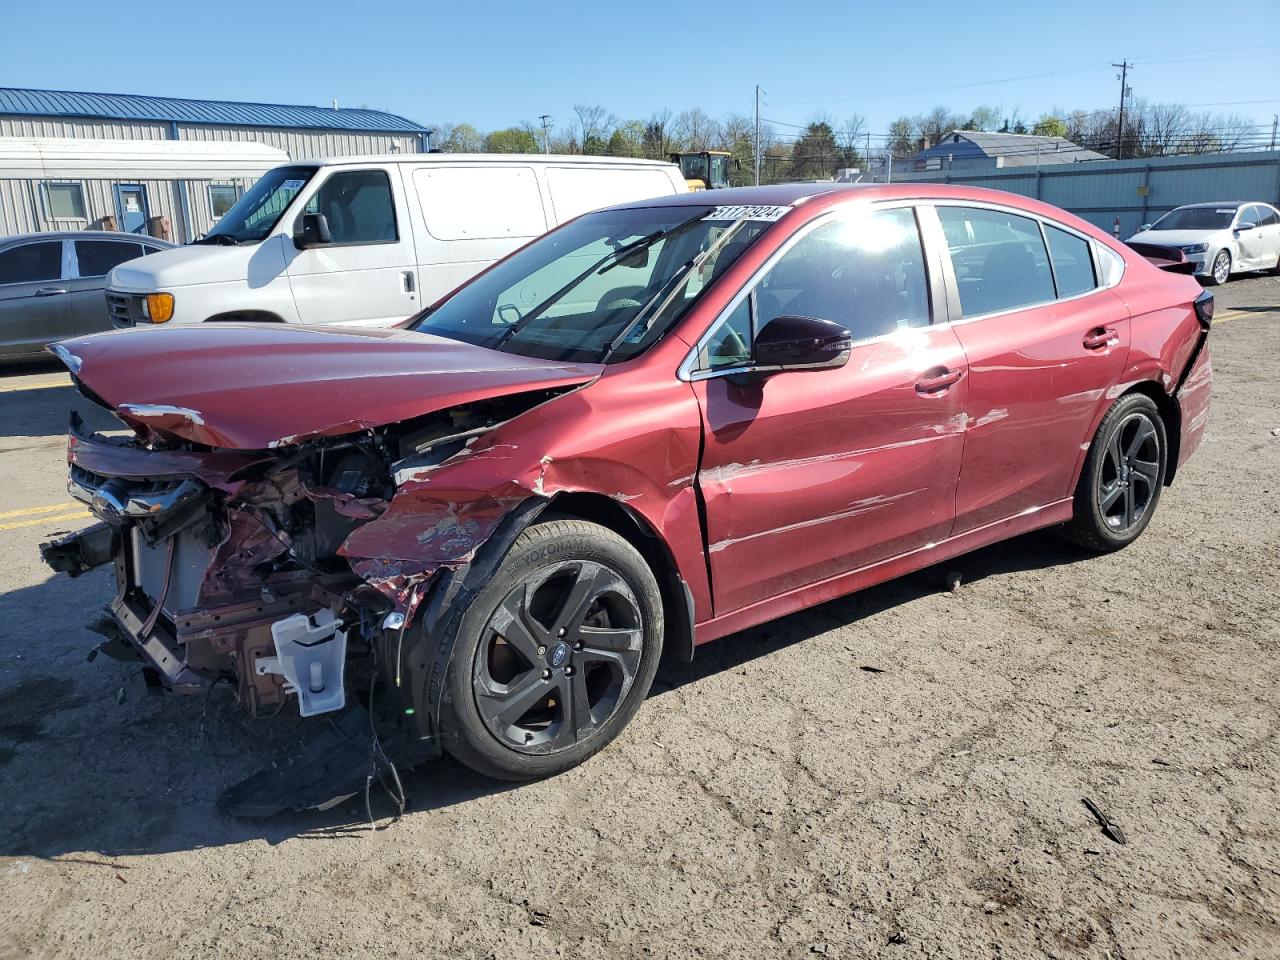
[222, 197]
[99, 257]
[1072, 265]
[1001, 265]
[32, 262]
[1269, 216]
[864, 271]
[730, 345]
[358, 206]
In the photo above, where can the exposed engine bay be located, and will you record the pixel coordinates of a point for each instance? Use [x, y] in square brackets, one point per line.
[230, 565]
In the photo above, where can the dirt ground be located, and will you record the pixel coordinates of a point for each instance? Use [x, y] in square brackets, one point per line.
[898, 774]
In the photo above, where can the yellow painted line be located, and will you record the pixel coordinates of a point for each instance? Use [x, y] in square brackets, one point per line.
[38, 385]
[78, 515]
[49, 508]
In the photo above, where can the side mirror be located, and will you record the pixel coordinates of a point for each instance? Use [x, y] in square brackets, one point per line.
[1145, 226]
[312, 232]
[801, 343]
[1245, 225]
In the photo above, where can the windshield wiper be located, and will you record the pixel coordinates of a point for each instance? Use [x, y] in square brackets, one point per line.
[667, 291]
[604, 264]
[219, 238]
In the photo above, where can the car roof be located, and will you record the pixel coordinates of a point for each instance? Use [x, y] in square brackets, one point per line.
[503, 158]
[85, 235]
[1222, 203]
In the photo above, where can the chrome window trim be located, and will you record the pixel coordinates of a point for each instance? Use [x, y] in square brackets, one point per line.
[688, 370]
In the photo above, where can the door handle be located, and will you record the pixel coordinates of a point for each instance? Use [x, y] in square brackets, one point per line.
[939, 382]
[50, 291]
[406, 281]
[1100, 337]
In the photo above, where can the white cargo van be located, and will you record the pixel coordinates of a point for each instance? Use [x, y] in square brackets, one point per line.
[371, 240]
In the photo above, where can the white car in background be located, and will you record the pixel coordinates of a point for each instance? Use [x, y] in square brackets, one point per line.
[1220, 238]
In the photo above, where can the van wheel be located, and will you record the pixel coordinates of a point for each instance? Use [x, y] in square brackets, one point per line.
[1122, 477]
[554, 655]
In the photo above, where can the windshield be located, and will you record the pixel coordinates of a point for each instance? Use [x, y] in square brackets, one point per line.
[256, 213]
[603, 288]
[1196, 218]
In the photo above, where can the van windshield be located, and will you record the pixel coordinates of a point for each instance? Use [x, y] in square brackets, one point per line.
[602, 288]
[256, 213]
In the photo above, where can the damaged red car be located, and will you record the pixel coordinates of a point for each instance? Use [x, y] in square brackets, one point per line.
[657, 425]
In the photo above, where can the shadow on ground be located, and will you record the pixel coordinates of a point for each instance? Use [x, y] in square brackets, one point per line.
[95, 763]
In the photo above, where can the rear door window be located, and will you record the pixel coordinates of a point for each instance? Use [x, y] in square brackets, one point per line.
[32, 262]
[999, 258]
[480, 203]
[97, 258]
[1072, 263]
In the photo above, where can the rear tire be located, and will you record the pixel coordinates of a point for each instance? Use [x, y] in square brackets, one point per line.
[1122, 478]
[555, 655]
[1220, 269]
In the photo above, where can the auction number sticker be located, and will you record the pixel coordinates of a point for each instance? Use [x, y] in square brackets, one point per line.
[294, 185]
[749, 211]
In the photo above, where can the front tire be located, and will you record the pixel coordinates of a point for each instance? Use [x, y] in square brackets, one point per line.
[555, 655]
[1122, 478]
[1220, 271]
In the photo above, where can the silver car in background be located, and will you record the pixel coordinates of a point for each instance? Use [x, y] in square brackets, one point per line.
[51, 285]
[1220, 238]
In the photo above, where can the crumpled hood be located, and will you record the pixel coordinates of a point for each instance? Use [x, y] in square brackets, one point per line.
[254, 386]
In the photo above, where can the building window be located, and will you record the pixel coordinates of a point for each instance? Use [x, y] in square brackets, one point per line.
[222, 197]
[64, 201]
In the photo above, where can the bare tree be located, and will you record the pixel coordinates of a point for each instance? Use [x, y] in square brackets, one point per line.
[594, 123]
[936, 124]
[697, 129]
[850, 134]
[658, 142]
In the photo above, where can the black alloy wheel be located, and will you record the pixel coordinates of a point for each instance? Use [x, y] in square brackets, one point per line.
[557, 657]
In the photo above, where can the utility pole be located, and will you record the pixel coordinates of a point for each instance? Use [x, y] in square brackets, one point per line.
[546, 119]
[757, 150]
[1275, 121]
[1125, 66]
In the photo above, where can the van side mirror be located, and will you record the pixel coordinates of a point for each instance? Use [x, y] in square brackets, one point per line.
[801, 343]
[312, 232]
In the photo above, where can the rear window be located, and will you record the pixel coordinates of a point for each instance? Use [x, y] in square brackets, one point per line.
[999, 259]
[97, 258]
[575, 190]
[480, 203]
[32, 262]
[1072, 264]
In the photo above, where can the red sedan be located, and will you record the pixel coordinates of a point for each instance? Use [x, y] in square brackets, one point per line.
[656, 425]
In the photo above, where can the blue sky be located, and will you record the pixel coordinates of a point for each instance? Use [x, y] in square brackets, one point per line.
[494, 63]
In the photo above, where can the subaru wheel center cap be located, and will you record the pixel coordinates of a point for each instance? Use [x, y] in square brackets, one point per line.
[558, 654]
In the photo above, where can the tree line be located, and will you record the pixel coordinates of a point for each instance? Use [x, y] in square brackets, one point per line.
[824, 144]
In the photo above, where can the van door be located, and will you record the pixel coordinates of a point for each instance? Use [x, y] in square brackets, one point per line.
[473, 215]
[367, 274]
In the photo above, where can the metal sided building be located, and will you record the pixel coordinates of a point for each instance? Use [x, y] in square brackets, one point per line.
[187, 204]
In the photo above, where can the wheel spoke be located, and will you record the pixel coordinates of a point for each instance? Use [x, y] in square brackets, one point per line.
[579, 598]
[576, 722]
[1113, 452]
[611, 639]
[1140, 436]
[1147, 469]
[502, 706]
[513, 622]
[1110, 494]
[1129, 510]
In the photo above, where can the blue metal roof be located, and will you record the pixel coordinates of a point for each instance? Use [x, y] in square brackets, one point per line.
[125, 106]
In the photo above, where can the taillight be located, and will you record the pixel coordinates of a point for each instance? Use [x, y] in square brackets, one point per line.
[1204, 309]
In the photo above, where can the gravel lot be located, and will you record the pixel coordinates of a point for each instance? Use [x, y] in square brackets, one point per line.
[777, 798]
